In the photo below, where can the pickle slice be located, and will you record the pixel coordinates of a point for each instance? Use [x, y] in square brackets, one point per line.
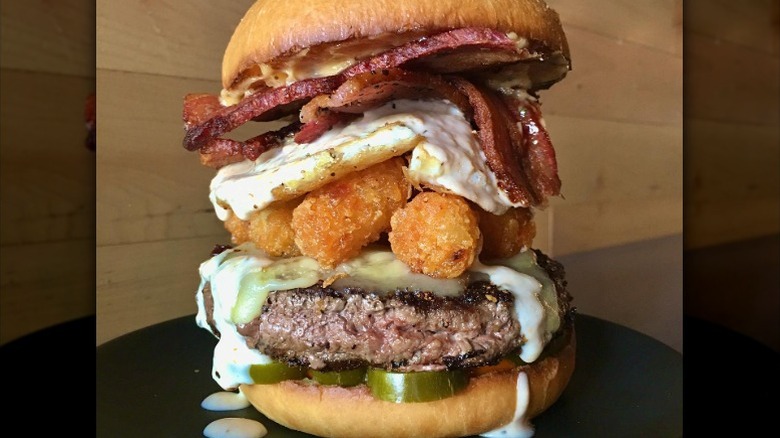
[344, 378]
[415, 387]
[275, 372]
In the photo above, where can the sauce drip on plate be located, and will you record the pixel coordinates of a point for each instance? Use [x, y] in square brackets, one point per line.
[234, 428]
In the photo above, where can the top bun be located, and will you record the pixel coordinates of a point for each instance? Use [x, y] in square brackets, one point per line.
[273, 29]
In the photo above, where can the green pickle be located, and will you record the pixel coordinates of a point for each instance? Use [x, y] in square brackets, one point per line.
[415, 387]
[344, 378]
[275, 372]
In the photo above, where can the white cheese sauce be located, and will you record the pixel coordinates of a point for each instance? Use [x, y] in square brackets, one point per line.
[519, 427]
[235, 428]
[535, 299]
[446, 155]
[225, 401]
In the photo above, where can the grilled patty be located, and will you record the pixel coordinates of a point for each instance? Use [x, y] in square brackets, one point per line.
[325, 328]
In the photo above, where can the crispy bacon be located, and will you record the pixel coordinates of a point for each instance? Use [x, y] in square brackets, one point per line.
[375, 88]
[457, 44]
[497, 141]
[538, 155]
[229, 118]
[198, 108]
[221, 151]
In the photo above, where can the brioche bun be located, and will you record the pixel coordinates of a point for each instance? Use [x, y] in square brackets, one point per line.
[487, 403]
[273, 30]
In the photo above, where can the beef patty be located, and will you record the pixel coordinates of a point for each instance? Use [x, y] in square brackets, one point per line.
[325, 328]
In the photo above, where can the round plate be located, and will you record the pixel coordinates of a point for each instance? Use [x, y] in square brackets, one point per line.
[151, 383]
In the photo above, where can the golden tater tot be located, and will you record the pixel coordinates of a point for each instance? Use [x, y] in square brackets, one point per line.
[271, 229]
[436, 234]
[335, 221]
[239, 229]
[505, 235]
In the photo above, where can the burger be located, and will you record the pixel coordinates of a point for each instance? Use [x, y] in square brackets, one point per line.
[381, 278]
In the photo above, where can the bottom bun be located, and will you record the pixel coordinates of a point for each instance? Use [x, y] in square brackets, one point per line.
[487, 403]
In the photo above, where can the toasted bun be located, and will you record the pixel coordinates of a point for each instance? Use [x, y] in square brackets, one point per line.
[488, 402]
[272, 29]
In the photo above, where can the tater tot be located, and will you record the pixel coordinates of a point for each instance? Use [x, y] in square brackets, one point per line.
[271, 229]
[238, 229]
[505, 235]
[335, 221]
[435, 234]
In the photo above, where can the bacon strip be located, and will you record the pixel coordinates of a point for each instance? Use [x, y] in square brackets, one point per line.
[372, 89]
[221, 151]
[458, 42]
[229, 118]
[538, 155]
[497, 141]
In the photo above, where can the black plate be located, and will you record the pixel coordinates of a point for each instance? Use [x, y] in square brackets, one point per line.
[150, 384]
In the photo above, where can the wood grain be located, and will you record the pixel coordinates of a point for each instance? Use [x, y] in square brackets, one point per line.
[47, 174]
[45, 284]
[145, 283]
[727, 83]
[754, 24]
[47, 188]
[733, 128]
[51, 37]
[617, 81]
[190, 36]
[656, 24]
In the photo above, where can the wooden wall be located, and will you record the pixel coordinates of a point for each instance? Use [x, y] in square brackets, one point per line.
[616, 122]
[732, 134]
[47, 244]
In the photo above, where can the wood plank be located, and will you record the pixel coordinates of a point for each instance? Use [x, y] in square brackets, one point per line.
[605, 161]
[725, 82]
[47, 175]
[46, 36]
[45, 284]
[582, 227]
[146, 283]
[716, 222]
[656, 24]
[616, 81]
[191, 36]
[731, 162]
[149, 186]
[754, 24]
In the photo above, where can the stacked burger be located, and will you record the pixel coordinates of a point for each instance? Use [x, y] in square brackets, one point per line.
[382, 279]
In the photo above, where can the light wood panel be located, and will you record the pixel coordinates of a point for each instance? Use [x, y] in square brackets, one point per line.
[656, 24]
[611, 80]
[190, 36]
[46, 36]
[145, 283]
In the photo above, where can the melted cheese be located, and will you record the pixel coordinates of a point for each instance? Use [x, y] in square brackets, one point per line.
[446, 156]
[238, 300]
